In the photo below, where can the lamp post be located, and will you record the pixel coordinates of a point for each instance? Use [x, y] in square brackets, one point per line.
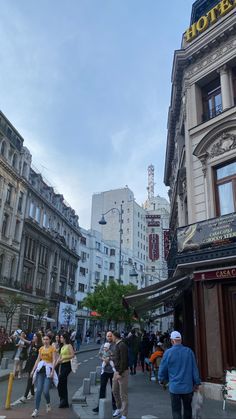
[103, 222]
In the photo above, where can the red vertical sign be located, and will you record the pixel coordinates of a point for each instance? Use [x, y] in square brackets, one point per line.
[154, 247]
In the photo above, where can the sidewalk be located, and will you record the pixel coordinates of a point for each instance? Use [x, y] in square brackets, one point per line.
[4, 374]
[148, 398]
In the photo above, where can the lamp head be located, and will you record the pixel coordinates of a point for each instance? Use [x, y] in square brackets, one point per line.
[102, 221]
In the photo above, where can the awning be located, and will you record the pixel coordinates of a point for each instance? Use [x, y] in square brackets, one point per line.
[154, 296]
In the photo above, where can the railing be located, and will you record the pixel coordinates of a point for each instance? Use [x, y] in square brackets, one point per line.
[40, 292]
[54, 295]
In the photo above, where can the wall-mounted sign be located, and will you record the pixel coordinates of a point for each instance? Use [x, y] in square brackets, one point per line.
[153, 247]
[153, 220]
[66, 315]
[166, 239]
[209, 233]
[216, 274]
[218, 11]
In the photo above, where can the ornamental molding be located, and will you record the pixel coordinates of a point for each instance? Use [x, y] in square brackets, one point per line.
[211, 58]
[227, 142]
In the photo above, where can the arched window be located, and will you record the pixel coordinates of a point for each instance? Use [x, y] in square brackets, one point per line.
[3, 149]
[24, 172]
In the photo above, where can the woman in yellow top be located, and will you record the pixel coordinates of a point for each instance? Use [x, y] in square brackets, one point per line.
[64, 361]
[44, 371]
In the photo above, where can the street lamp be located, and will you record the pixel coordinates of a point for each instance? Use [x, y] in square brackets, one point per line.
[103, 222]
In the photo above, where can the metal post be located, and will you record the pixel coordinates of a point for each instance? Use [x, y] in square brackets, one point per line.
[121, 231]
[9, 391]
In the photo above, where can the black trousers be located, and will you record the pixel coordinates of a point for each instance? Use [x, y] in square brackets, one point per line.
[105, 377]
[29, 387]
[64, 371]
[176, 404]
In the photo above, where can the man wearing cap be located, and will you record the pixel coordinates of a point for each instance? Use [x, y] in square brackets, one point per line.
[179, 368]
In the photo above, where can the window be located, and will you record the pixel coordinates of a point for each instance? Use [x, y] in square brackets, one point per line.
[112, 252]
[97, 276]
[81, 287]
[112, 266]
[45, 220]
[83, 241]
[83, 257]
[226, 188]
[43, 255]
[3, 149]
[212, 99]
[105, 264]
[41, 281]
[153, 268]
[98, 245]
[31, 210]
[5, 224]
[30, 248]
[27, 282]
[37, 214]
[106, 250]
[14, 161]
[20, 202]
[105, 278]
[9, 194]
[82, 271]
[17, 231]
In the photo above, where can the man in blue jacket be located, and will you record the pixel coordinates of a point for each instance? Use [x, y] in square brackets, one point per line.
[179, 368]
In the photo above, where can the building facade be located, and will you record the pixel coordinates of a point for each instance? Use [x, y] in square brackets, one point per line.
[200, 170]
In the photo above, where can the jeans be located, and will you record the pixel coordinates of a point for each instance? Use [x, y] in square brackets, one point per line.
[43, 384]
[176, 405]
[105, 377]
[78, 343]
[64, 371]
[29, 387]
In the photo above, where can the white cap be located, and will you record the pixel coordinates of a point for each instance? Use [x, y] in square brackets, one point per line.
[107, 345]
[175, 335]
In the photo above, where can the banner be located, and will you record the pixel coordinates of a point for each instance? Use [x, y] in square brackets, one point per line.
[66, 314]
[153, 247]
[206, 234]
[153, 220]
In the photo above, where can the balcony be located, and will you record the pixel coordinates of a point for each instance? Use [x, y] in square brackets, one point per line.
[40, 292]
[26, 288]
[54, 295]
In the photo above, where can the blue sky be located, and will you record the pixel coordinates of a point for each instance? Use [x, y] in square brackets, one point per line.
[87, 84]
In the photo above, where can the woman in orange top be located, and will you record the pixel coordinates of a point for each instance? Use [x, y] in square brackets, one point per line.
[44, 371]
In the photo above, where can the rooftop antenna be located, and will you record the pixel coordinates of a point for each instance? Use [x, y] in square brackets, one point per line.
[151, 184]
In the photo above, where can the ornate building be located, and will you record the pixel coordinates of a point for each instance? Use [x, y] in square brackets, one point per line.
[200, 170]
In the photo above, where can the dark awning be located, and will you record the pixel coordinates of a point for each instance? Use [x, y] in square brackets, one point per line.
[154, 296]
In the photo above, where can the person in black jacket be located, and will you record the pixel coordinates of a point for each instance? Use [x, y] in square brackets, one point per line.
[120, 379]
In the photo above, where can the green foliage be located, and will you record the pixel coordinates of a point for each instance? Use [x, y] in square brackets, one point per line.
[41, 309]
[107, 301]
[9, 306]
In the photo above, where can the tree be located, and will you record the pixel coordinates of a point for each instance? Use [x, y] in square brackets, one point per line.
[107, 300]
[10, 305]
[41, 310]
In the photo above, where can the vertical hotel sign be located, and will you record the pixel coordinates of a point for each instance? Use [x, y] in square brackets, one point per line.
[154, 247]
[211, 17]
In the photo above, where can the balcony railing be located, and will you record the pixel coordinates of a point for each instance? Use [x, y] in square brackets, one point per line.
[54, 295]
[40, 292]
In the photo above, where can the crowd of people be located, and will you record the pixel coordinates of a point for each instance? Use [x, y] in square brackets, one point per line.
[45, 356]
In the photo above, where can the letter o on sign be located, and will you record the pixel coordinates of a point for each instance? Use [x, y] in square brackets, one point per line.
[202, 24]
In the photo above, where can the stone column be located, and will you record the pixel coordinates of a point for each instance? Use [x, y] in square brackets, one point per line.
[36, 268]
[49, 274]
[227, 99]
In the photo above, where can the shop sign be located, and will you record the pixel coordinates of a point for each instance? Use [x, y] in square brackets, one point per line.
[166, 243]
[207, 234]
[153, 220]
[211, 17]
[153, 247]
[217, 274]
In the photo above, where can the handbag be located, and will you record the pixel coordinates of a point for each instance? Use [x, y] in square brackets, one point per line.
[197, 403]
[74, 364]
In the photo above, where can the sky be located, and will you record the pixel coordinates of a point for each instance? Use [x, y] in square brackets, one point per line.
[87, 84]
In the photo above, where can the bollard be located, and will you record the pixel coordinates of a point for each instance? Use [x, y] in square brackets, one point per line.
[92, 377]
[9, 390]
[105, 409]
[4, 363]
[86, 386]
[98, 373]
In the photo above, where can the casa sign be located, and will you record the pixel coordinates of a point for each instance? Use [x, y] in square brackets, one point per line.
[220, 10]
[216, 274]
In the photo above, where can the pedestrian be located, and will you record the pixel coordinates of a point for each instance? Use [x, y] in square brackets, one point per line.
[88, 334]
[35, 345]
[20, 354]
[144, 349]
[108, 372]
[78, 339]
[43, 373]
[72, 338]
[4, 339]
[179, 368]
[64, 362]
[133, 343]
[120, 379]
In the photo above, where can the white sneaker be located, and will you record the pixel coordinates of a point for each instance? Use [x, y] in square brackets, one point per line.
[48, 408]
[116, 413]
[123, 417]
[35, 413]
[23, 399]
[30, 396]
